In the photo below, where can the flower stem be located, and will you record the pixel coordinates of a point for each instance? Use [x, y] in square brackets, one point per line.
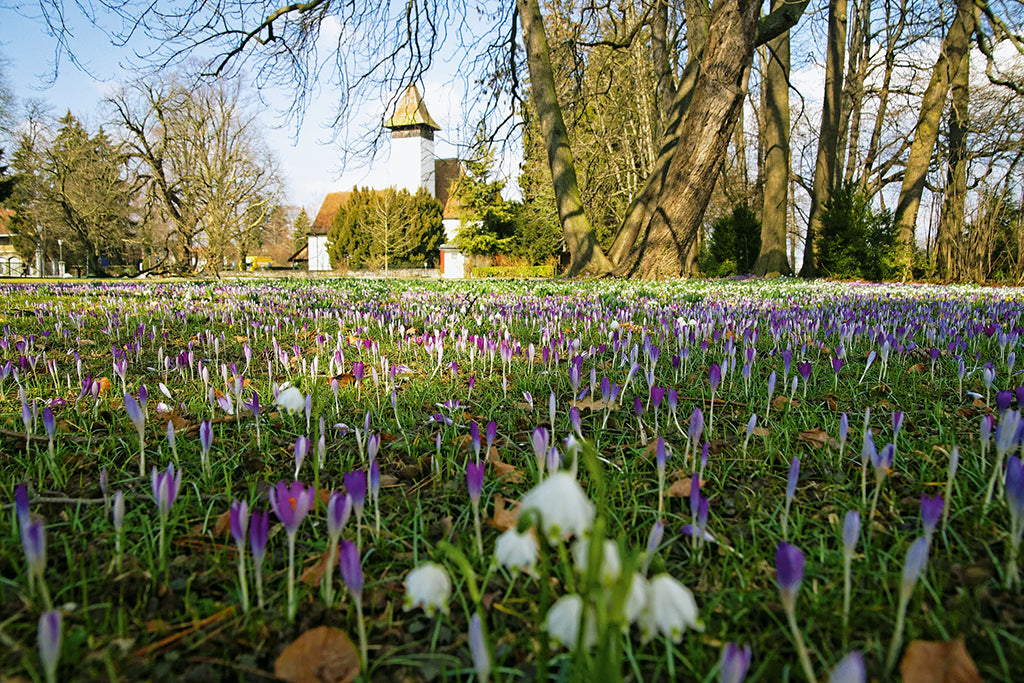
[846, 598]
[897, 634]
[801, 648]
[291, 579]
[242, 581]
[361, 625]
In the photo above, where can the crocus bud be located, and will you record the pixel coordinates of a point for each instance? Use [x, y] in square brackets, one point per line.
[914, 565]
[849, 670]
[118, 510]
[238, 518]
[793, 478]
[851, 532]
[49, 423]
[478, 649]
[339, 508]
[735, 662]
[350, 566]
[301, 450]
[789, 567]
[259, 530]
[475, 481]
[21, 503]
[931, 513]
[49, 636]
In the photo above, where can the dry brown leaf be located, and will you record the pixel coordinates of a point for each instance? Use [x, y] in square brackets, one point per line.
[761, 431]
[504, 518]
[502, 470]
[344, 379]
[831, 402]
[681, 487]
[781, 401]
[938, 662]
[314, 573]
[591, 404]
[967, 412]
[978, 403]
[320, 655]
[240, 339]
[919, 367]
[222, 527]
[817, 438]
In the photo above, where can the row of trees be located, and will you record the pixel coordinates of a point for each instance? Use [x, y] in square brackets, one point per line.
[179, 180]
[647, 120]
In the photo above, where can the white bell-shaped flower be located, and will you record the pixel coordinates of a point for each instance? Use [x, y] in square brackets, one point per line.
[636, 599]
[563, 622]
[516, 551]
[290, 400]
[429, 587]
[670, 609]
[610, 564]
[563, 507]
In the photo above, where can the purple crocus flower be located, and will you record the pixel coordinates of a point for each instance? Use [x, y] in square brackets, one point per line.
[844, 430]
[475, 481]
[540, 446]
[165, 489]
[238, 518]
[735, 662]
[789, 568]
[931, 513]
[355, 486]
[474, 435]
[715, 376]
[49, 423]
[291, 503]
[492, 434]
[33, 543]
[350, 566]
[804, 368]
[661, 457]
[851, 532]
[49, 636]
[1003, 399]
[259, 531]
[339, 509]
[792, 478]
[372, 446]
[850, 670]
[301, 451]
[21, 503]
[205, 438]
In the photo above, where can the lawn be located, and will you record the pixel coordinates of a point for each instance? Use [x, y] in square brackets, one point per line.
[521, 480]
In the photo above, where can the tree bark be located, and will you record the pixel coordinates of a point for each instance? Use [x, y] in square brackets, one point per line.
[666, 237]
[951, 223]
[586, 254]
[661, 62]
[774, 209]
[668, 211]
[954, 46]
[828, 136]
[853, 102]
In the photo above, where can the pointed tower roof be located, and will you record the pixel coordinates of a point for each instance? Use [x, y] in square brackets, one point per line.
[411, 112]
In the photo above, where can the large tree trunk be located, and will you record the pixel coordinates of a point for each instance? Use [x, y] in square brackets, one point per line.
[853, 102]
[951, 223]
[586, 254]
[775, 113]
[666, 215]
[661, 61]
[954, 46]
[828, 135]
[666, 237]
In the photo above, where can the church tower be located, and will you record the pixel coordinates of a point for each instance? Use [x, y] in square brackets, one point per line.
[412, 144]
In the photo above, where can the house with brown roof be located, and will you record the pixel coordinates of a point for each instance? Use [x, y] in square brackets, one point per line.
[413, 166]
[10, 260]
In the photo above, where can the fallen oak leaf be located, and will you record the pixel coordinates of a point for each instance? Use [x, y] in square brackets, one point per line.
[504, 518]
[314, 573]
[816, 438]
[682, 486]
[320, 655]
[938, 662]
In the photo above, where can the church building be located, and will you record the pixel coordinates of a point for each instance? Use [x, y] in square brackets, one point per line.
[413, 165]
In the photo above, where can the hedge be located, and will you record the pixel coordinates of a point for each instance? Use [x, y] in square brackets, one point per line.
[513, 271]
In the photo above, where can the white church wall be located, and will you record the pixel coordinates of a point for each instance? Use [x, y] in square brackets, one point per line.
[317, 249]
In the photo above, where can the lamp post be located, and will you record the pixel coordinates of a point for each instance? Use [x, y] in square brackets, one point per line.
[60, 246]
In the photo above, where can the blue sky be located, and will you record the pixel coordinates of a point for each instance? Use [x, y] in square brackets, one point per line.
[308, 160]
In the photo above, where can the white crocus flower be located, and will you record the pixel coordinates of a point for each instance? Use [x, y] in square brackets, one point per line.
[670, 609]
[429, 587]
[516, 551]
[563, 507]
[291, 400]
[563, 622]
[610, 565]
